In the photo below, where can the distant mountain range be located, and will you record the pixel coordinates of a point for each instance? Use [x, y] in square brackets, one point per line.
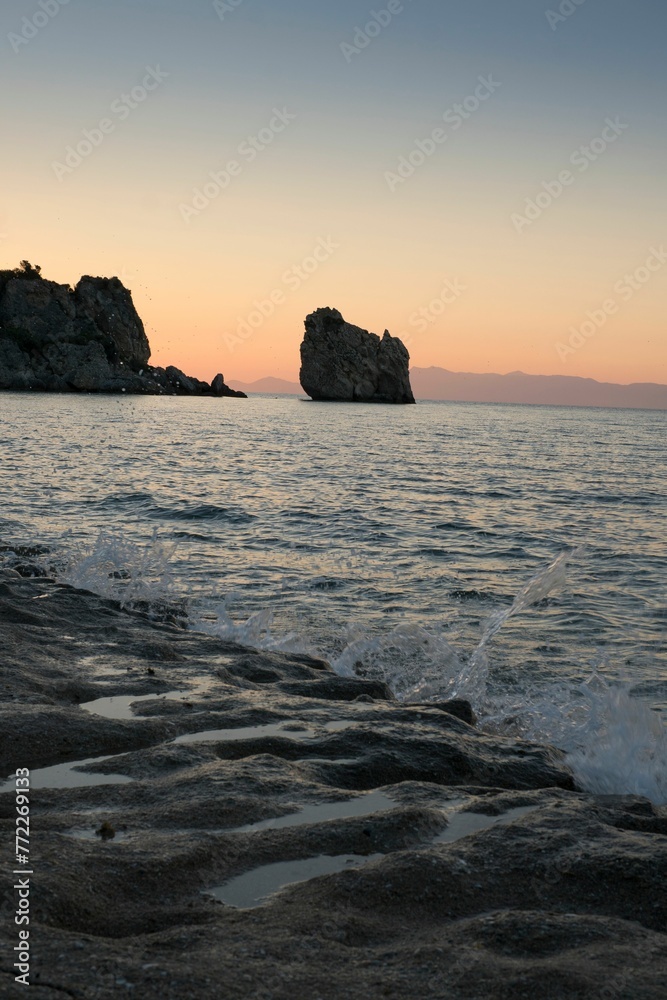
[517, 387]
[277, 386]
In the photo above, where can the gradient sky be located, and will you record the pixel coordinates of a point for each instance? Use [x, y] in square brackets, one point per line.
[322, 180]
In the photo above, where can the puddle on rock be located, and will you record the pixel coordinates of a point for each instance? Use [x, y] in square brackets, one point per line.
[247, 733]
[463, 824]
[66, 776]
[251, 889]
[118, 707]
[283, 728]
[365, 805]
[340, 726]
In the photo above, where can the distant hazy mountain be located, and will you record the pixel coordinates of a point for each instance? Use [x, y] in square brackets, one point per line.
[517, 387]
[279, 386]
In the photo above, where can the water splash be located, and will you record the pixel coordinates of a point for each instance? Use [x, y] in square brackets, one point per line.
[624, 745]
[424, 666]
[615, 743]
[256, 632]
[412, 661]
[121, 570]
[473, 681]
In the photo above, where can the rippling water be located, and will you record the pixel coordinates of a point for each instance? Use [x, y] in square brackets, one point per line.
[350, 522]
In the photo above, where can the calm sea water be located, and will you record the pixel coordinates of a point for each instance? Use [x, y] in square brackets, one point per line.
[347, 523]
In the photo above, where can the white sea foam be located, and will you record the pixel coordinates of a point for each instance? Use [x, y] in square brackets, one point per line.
[256, 631]
[624, 747]
[615, 742]
[115, 567]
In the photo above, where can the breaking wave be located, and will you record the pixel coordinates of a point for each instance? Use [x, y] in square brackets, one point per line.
[614, 741]
[113, 566]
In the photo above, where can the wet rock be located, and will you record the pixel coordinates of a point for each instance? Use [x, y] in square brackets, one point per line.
[344, 363]
[459, 707]
[467, 865]
[339, 689]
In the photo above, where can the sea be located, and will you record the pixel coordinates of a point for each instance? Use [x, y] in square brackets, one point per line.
[515, 556]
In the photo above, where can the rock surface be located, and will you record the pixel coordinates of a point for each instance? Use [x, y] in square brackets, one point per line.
[479, 871]
[344, 363]
[88, 339]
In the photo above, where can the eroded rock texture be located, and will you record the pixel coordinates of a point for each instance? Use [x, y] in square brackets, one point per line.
[468, 866]
[344, 363]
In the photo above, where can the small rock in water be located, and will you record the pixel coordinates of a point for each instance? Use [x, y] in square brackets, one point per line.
[220, 388]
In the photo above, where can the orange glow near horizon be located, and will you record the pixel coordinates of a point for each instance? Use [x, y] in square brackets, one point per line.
[387, 253]
[499, 307]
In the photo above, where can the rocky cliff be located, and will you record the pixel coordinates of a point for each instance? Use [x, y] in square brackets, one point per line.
[90, 338]
[341, 362]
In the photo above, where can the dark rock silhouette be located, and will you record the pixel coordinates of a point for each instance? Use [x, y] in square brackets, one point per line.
[220, 388]
[90, 338]
[343, 363]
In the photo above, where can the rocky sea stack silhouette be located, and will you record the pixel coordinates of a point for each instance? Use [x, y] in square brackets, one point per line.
[90, 338]
[343, 363]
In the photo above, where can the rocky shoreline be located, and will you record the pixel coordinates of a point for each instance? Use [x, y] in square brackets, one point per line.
[453, 863]
[89, 338]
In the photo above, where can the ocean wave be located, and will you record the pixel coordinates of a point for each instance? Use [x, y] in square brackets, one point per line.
[147, 506]
[614, 740]
[202, 512]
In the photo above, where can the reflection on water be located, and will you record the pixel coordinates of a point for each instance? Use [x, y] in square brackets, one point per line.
[253, 888]
[68, 776]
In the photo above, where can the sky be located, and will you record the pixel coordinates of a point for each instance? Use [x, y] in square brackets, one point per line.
[484, 179]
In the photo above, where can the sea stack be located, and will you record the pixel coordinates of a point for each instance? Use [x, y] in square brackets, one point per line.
[343, 363]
